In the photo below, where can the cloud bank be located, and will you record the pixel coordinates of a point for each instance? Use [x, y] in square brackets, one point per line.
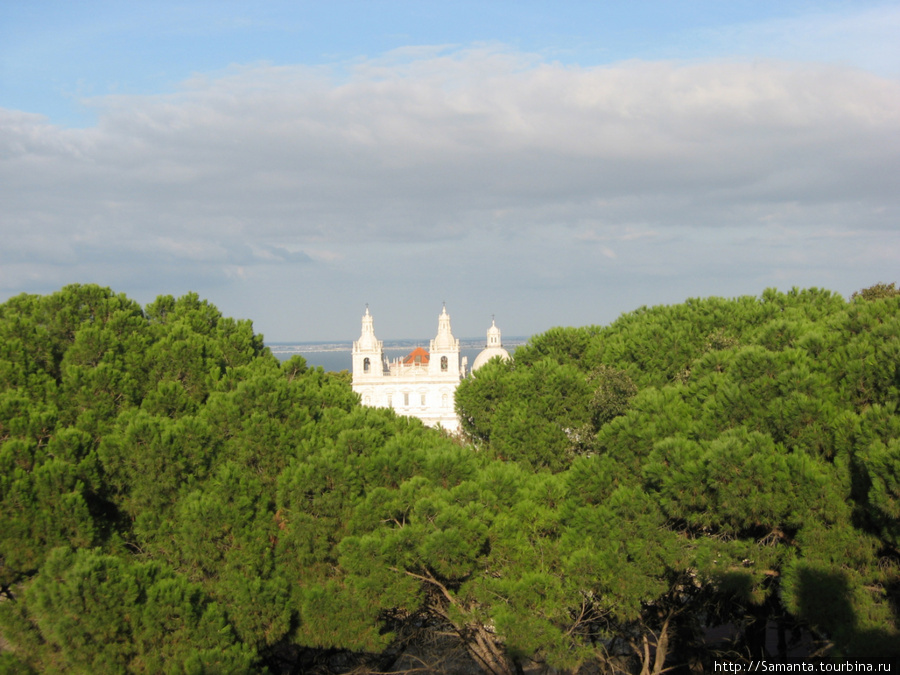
[482, 175]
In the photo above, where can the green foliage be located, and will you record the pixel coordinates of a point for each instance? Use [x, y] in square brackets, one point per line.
[613, 391]
[876, 292]
[532, 414]
[174, 499]
[99, 614]
[742, 483]
[564, 345]
[760, 428]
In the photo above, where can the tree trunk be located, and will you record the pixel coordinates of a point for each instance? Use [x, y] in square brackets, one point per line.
[477, 638]
[485, 650]
[645, 657]
[659, 653]
[662, 647]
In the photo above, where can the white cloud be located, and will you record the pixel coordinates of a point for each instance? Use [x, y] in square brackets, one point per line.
[442, 160]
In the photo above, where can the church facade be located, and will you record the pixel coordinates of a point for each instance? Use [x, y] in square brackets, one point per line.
[421, 384]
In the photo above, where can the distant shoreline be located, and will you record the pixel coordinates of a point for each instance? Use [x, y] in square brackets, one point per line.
[346, 345]
[335, 356]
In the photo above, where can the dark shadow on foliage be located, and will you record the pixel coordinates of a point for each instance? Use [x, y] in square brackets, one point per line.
[825, 600]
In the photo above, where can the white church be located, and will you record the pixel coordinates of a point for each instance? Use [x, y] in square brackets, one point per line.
[423, 383]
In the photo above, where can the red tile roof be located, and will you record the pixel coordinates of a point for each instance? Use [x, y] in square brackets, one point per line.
[417, 355]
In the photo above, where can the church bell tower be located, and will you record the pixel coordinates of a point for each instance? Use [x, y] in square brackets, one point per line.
[444, 350]
[368, 352]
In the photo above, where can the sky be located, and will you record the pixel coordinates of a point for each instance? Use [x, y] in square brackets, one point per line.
[550, 164]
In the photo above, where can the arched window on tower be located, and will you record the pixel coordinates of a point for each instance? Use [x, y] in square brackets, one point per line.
[366, 364]
[443, 364]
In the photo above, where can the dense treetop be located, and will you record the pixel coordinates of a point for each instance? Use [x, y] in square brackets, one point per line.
[174, 499]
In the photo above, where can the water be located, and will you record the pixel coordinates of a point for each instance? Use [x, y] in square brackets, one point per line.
[335, 356]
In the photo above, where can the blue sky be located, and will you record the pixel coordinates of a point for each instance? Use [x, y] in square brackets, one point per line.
[549, 163]
[56, 54]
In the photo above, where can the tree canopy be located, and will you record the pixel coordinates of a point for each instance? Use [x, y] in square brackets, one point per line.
[675, 487]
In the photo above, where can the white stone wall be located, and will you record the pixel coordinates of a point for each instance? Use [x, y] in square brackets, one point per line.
[416, 394]
[423, 391]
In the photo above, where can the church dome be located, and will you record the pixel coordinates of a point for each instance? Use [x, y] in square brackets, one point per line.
[494, 348]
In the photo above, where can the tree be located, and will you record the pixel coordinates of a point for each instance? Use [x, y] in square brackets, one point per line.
[876, 292]
[97, 613]
[171, 492]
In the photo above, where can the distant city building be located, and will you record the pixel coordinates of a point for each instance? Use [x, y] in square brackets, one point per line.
[423, 383]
